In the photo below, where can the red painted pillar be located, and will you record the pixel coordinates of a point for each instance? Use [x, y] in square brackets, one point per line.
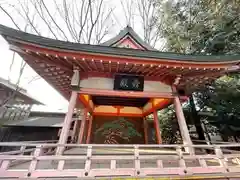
[67, 122]
[82, 127]
[157, 127]
[182, 122]
[145, 128]
[89, 129]
[75, 129]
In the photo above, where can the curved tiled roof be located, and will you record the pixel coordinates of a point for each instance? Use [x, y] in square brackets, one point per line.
[20, 91]
[13, 36]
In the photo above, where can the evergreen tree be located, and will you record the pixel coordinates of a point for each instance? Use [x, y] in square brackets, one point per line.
[206, 27]
[200, 26]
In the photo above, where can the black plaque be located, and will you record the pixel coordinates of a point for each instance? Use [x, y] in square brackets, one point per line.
[128, 82]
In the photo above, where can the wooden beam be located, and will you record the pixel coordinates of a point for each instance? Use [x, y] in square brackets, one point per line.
[145, 128]
[82, 127]
[89, 132]
[117, 114]
[85, 75]
[103, 92]
[85, 102]
[128, 59]
[64, 66]
[157, 127]
[158, 106]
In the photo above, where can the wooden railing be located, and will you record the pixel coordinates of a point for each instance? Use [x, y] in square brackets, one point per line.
[26, 149]
[100, 161]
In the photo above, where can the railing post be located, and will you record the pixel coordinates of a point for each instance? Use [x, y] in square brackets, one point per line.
[60, 162]
[182, 163]
[34, 161]
[60, 165]
[22, 149]
[113, 164]
[202, 163]
[220, 157]
[136, 160]
[4, 164]
[88, 161]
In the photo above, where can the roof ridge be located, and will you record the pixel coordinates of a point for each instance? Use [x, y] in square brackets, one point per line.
[128, 30]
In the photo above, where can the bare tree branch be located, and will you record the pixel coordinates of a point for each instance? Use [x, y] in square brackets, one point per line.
[26, 12]
[52, 19]
[67, 21]
[43, 18]
[93, 22]
[11, 65]
[5, 101]
[16, 25]
[147, 11]
[83, 22]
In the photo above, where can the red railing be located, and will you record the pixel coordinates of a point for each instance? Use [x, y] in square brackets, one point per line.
[95, 161]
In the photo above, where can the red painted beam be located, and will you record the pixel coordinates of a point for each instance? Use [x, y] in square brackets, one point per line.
[117, 114]
[160, 105]
[103, 92]
[125, 59]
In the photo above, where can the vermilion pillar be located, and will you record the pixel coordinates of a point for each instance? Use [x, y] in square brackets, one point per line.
[145, 128]
[157, 127]
[89, 129]
[74, 133]
[82, 127]
[67, 122]
[182, 122]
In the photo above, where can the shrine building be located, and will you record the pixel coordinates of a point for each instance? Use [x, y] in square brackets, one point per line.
[121, 81]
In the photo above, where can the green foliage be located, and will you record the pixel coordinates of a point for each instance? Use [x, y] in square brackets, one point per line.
[200, 26]
[222, 99]
[121, 128]
[169, 126]
[223, 96]
[206, 27]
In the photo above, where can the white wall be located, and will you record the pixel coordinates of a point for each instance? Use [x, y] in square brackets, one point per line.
[107, 84]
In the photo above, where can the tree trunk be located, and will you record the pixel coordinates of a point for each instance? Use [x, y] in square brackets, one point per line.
[196, 120]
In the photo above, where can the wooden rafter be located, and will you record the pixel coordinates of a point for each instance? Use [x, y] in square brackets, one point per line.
[49, 65]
